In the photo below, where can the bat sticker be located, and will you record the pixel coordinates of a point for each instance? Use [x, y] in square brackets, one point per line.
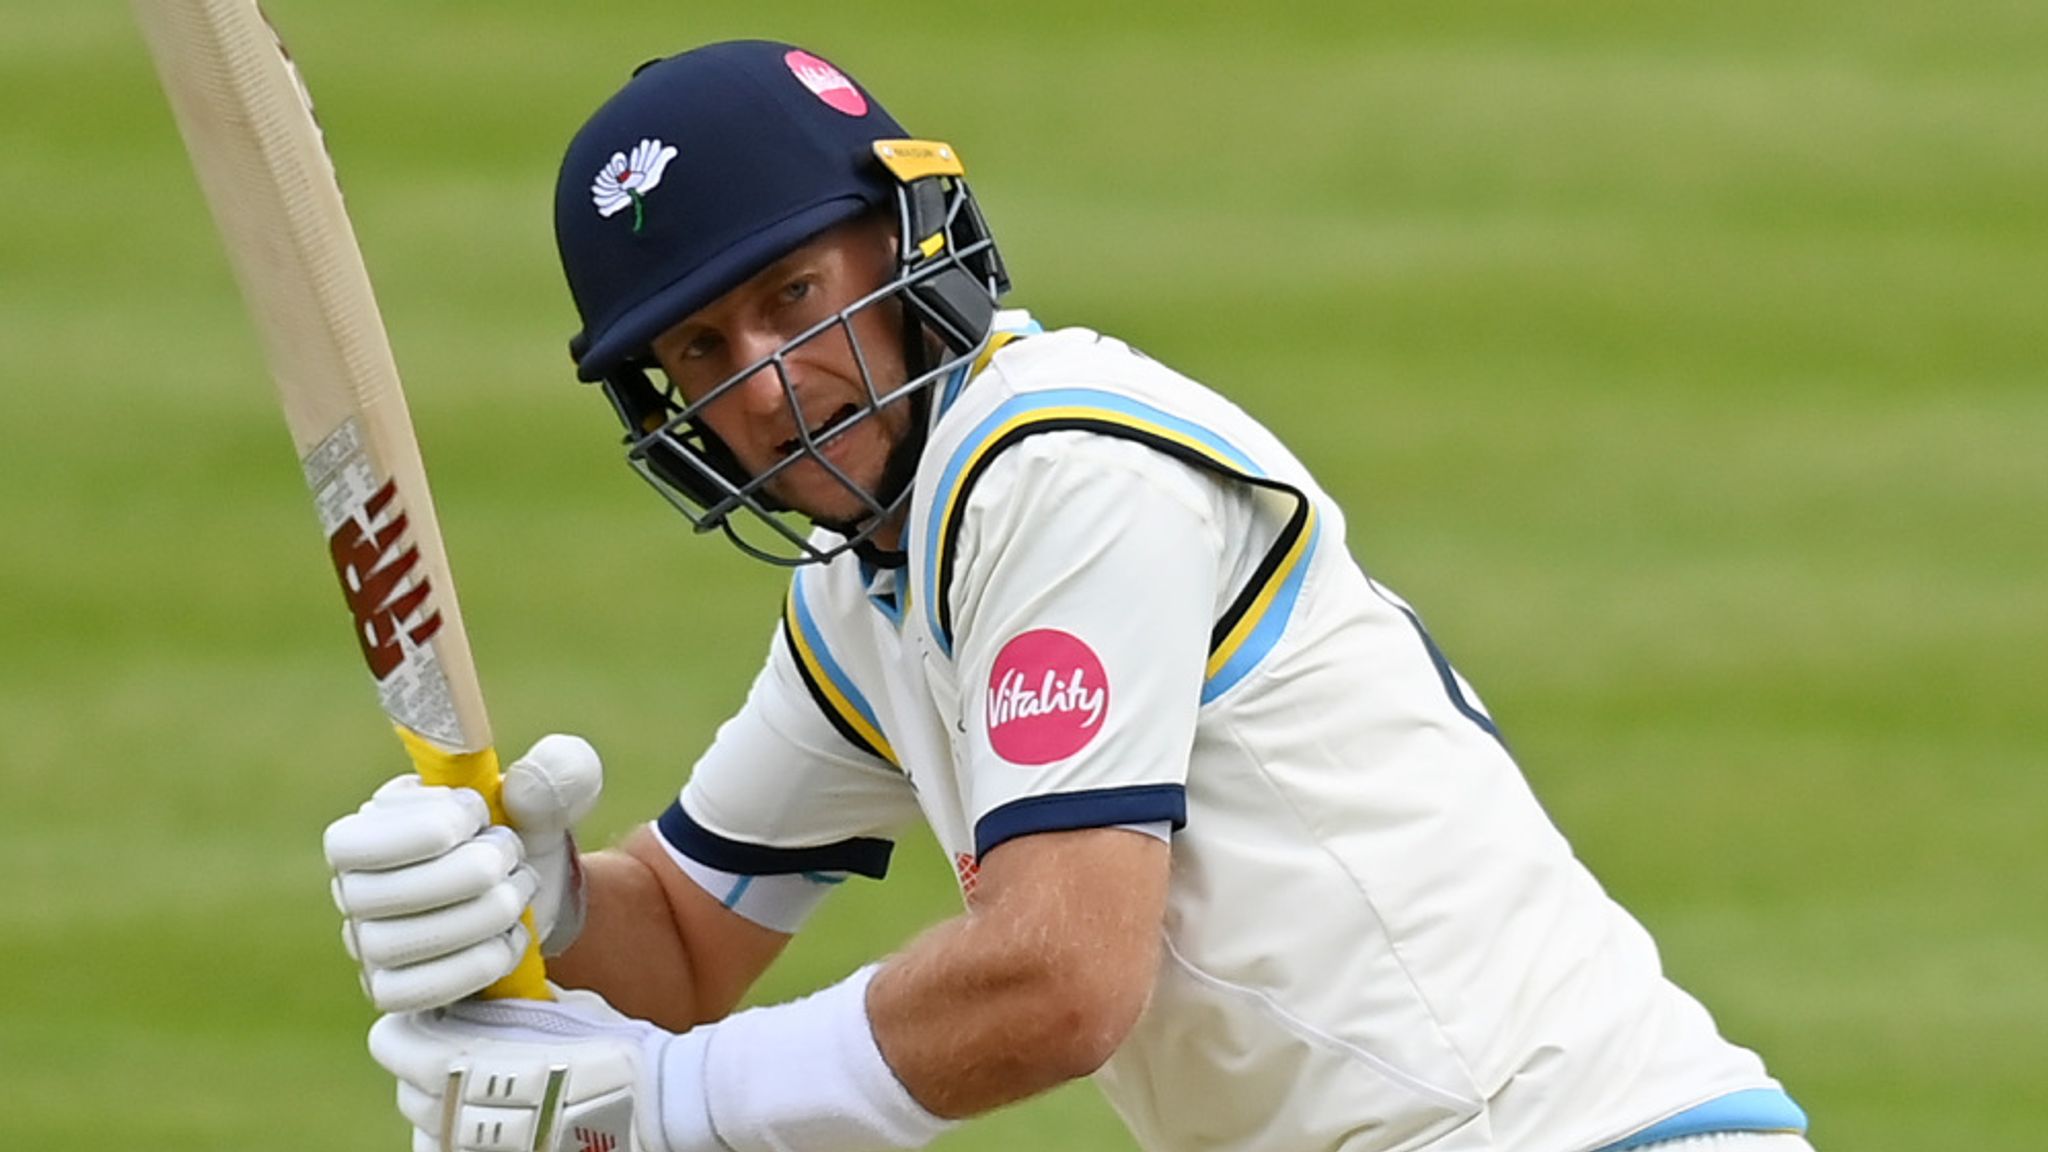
[390, 599]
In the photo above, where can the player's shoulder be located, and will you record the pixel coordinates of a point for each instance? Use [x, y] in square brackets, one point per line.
[1029, 359]
[1046, 357]
[1080, 379]
[1028, 382]
[1032, 376]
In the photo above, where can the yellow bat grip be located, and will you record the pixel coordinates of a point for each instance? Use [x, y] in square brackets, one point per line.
[479, 771]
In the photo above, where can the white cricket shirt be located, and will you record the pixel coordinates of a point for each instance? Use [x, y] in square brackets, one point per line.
[1127, 603]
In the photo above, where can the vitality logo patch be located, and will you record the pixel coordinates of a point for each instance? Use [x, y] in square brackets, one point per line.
[1047, 697]
[827, 83]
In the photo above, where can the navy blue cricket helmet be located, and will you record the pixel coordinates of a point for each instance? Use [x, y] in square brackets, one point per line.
[706, 168]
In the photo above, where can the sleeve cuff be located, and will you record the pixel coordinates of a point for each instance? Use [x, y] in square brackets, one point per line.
[862, 855]
[1067, 811]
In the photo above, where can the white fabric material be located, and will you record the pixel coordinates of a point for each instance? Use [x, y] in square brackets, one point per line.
[1160, 830]
[501, 1055]
[826, 789]
[1049, 499]
[431, 894]
[1375, 938]
[804, 1077]
[1732, 1142]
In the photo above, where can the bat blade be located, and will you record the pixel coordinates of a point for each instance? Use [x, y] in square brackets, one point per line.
[263, 166]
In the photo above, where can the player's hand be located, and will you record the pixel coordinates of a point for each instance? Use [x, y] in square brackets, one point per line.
[431, 893]
[500, 1058]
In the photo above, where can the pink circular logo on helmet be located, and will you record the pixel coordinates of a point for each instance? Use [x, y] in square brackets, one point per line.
[1047, 697]
[826, 83]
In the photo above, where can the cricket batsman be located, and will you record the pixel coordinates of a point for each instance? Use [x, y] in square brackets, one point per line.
[1233, 837]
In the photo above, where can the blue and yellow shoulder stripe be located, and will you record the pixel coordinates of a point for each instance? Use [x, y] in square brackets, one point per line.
[1257, 615]
[966, 372]
[837, 696]
[1748, 1110]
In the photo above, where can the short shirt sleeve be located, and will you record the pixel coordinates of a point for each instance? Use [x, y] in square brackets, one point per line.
[1084, 591]
[782, 791]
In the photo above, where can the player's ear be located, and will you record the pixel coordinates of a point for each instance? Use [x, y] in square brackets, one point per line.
[886, 233]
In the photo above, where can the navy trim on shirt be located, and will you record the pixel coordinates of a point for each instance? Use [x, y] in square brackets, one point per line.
[862, 855]
[1096, 808]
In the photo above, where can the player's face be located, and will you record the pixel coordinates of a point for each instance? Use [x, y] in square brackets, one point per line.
[755, 417]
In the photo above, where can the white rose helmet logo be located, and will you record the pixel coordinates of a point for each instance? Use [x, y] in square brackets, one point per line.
[627, 180]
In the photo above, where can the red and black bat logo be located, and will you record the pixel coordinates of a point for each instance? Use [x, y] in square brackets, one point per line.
[374, 581]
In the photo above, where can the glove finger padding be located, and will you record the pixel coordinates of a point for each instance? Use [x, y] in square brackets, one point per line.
[462, 873]
[398, 941]
[431, 892]
[445, 979]
[404, 823]
[552, 787]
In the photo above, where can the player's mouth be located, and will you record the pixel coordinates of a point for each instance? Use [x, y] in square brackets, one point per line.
[830, 426]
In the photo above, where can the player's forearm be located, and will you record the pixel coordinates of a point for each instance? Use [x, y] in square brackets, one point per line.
[969, 1036]
[1037, 986]
[658, 946]
[631, 950]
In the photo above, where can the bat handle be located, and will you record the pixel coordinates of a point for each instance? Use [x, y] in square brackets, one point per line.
[479, 771]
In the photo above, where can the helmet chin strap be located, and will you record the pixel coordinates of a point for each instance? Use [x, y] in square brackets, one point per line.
[892, 492]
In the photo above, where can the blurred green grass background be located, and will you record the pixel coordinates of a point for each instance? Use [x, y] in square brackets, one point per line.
[1682, 362]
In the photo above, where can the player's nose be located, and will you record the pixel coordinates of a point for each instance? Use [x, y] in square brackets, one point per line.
[763, 393]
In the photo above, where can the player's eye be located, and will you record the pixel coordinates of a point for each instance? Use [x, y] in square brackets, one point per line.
[797, 290]
[700, 346]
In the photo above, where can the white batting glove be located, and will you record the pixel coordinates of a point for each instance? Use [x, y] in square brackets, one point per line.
[518, 1075]
[431, 893]
[513, 1075]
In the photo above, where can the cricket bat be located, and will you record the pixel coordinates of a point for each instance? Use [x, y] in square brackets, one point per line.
[248, 125]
